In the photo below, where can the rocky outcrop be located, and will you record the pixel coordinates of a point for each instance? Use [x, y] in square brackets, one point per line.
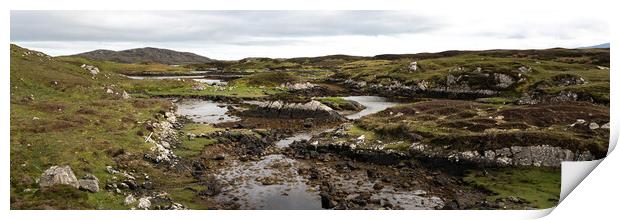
[58, 175]
[298, 86]
[533, 98]
[567, 80]
[537, 155]
[164, 133]
[340, 142]
[93, 70]
[503, 81]
[422, 88]
[311, 109]
[481, 81]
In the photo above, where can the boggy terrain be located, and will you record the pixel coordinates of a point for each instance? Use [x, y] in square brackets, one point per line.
[450, 130]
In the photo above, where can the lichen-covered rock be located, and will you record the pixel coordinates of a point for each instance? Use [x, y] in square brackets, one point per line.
[130, 199]
[144, 203]
[413, 66]
[58, 175]
[89, 183]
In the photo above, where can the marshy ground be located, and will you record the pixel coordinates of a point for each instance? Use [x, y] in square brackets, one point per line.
[462, 130]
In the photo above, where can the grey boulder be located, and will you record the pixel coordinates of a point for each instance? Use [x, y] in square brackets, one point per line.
[58, 175]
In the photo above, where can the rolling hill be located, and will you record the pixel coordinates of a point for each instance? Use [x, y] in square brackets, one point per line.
[146, 55]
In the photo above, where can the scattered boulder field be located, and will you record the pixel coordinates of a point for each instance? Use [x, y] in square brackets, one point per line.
[450, 130]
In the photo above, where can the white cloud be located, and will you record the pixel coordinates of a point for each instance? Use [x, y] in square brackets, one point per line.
[239, 34]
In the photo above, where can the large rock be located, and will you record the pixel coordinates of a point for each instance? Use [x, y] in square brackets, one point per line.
[144, 203]
[413, 66]
[89, 183]
[58, 175]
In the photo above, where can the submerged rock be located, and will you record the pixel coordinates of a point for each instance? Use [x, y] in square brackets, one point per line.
[58, 175]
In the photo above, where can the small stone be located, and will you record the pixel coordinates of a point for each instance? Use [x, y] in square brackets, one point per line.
[361, 138]
[594, 126]
[219, 157]
[578, 122]
[605, 126]
[126, 95]
[111, 170]
[378, 186]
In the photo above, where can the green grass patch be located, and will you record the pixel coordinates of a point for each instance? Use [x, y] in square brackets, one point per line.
[193, 147]
[271, 79]
[540, 187]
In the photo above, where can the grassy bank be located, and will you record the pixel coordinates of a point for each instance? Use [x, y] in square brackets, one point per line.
[538, 187]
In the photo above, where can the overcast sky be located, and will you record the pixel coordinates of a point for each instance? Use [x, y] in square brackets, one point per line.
[240, 34]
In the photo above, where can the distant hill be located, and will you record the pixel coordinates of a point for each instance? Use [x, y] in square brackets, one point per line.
[605, 45]
[147, 54]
